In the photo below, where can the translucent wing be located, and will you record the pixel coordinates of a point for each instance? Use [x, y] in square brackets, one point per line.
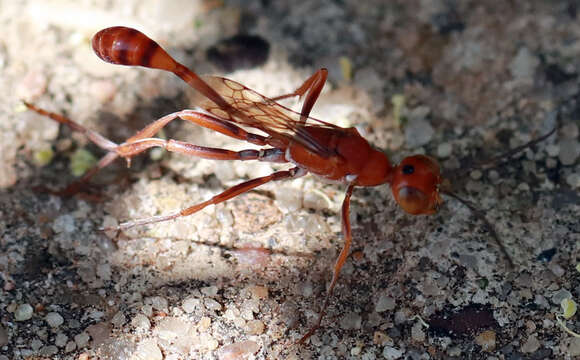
[255, 110]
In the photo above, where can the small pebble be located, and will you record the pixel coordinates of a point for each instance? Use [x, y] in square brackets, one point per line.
[385, 303]
[148, 350]
[570, 130]
[530, 326]
[351, 321]
[487, 340]
[104, 271]
[191, 304]
[531, 345]
[400, 317]
[524, 187]
[417, 332]
[82, 339]
[170, 328]
[574, 347]
[556, 269]
[392, 353]
[60, 340]
[573, 180]
[569, 151]
[70, 346]
[208, 342]
[476, 174]
[524, 65]
[418, 132]
[210, 291]
[36, 344]
[552, 150]
[118, 319]
[99, 332]
[444, 150]
[541, 301]
[238, 350]
[560, 295]
[23, 312]
[48, 350]
[213, 305]
[225, 217]
[147, 310]
[158, 303]
[54, 319]
[203, 324]
[254, 327]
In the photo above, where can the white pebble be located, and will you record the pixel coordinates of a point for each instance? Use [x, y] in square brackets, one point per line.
[191, 304]
[158, 303]
[573, 180]
[141, 322]
[254, 327]
[553, 150]
[54, 319]
[444, 150]
[211, 304]
[148, 350]
[210, 290]
[524, 187]
[238, 350]
[391, 353]
[23, 312]
[418, 132]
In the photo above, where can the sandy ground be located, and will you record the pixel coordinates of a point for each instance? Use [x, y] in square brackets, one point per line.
[461, 81]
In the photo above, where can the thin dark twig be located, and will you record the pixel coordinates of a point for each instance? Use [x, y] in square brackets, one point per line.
[490, 227]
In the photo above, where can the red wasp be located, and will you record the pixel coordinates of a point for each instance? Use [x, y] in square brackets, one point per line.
[313, 146]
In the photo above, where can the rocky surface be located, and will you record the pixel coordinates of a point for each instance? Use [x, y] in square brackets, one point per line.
[461, 81]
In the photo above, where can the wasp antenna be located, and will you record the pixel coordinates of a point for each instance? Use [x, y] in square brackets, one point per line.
[478, 213]
[506, 155]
